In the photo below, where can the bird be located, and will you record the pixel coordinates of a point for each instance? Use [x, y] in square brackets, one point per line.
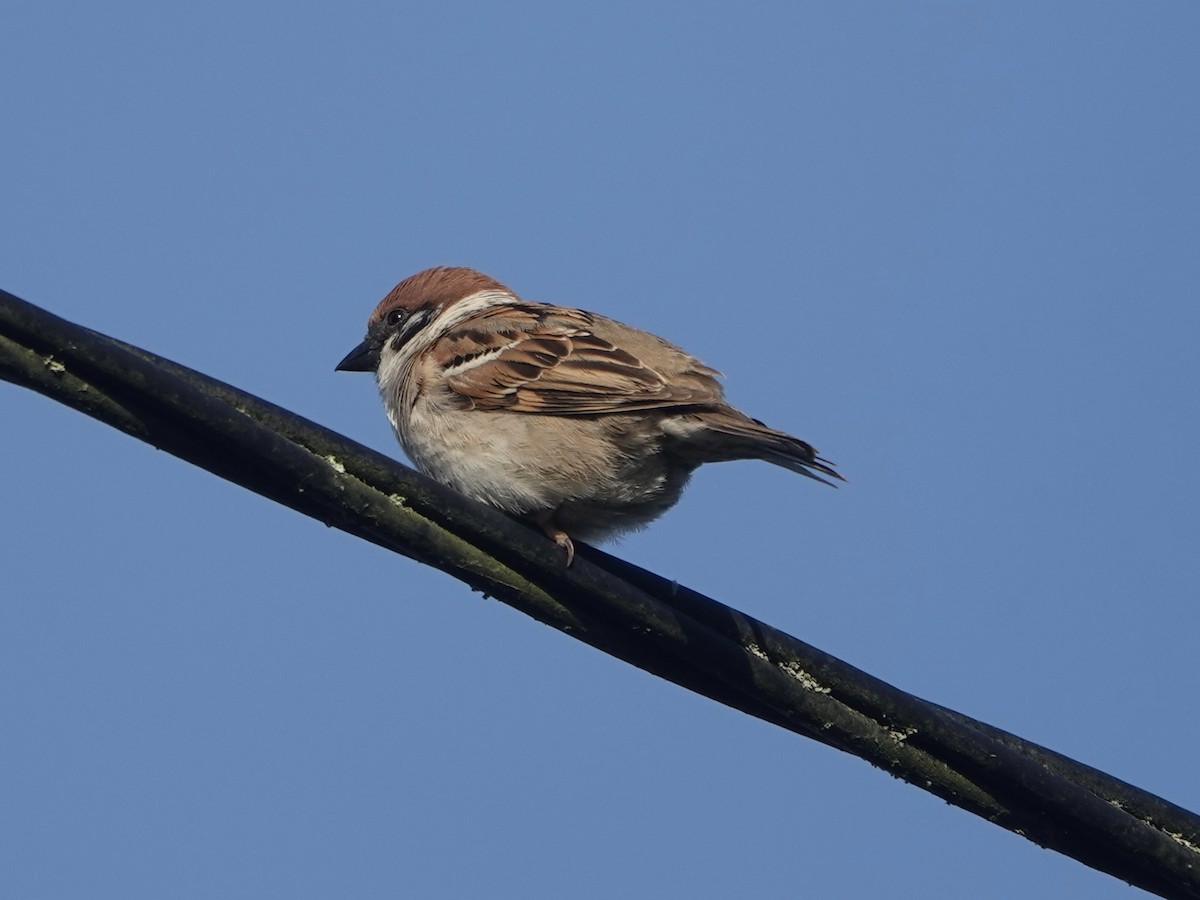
[578, 423]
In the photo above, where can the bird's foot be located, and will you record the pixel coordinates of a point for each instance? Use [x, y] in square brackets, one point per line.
[545, 521]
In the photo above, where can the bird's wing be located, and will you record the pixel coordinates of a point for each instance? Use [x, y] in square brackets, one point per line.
[564, 362]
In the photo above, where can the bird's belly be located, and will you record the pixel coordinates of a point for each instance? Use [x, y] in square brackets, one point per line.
[609, 480]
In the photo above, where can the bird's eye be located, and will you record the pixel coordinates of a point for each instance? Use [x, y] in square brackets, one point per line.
[395, 317]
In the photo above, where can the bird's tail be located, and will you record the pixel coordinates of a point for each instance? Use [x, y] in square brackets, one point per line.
[728, 435]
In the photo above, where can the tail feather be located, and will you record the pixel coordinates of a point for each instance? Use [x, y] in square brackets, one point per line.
[741, 437]
[806, 466]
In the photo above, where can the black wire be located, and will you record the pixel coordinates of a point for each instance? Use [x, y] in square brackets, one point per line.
[635, 615]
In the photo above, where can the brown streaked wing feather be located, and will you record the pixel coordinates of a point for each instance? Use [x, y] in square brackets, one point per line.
[557, 366]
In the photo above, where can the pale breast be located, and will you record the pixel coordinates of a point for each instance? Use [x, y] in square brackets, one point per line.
[605, 474]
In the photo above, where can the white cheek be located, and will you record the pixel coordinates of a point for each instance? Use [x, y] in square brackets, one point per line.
[390, 373]
[389, 377]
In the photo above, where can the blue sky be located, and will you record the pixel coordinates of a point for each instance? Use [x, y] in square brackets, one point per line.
[954, 245]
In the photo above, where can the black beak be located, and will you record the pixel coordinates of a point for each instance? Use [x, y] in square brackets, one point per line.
[363, 358]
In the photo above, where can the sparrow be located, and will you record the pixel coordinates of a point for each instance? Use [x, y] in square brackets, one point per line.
[581, 424]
